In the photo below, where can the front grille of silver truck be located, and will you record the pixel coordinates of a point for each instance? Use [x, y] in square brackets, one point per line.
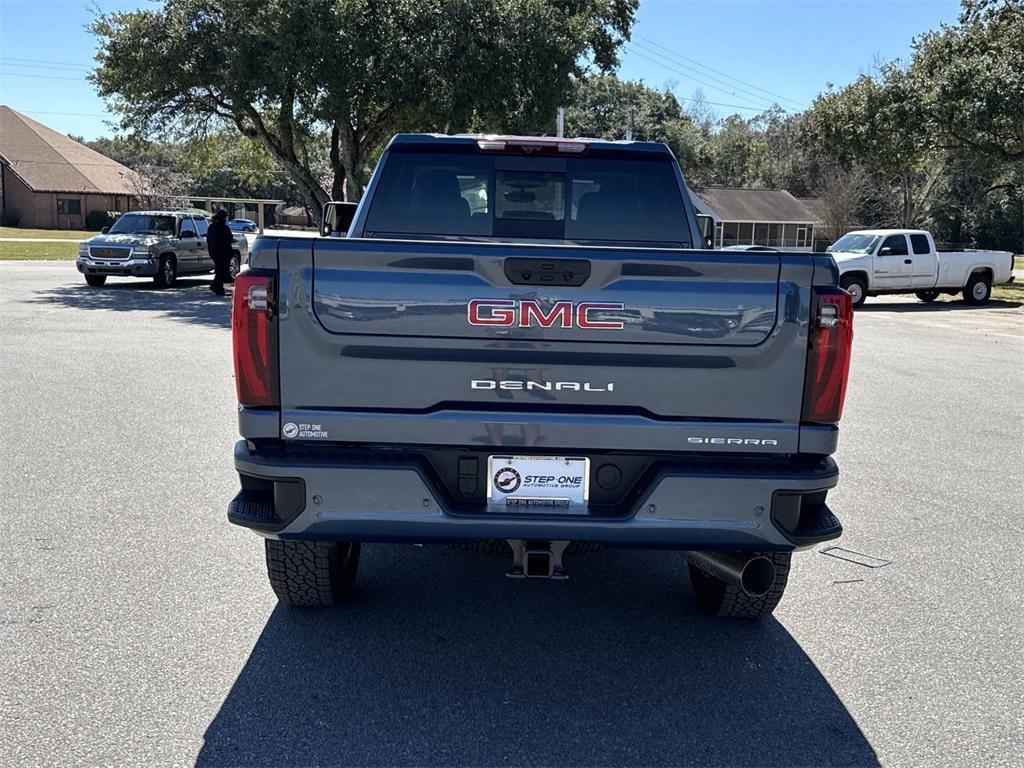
[110, 253]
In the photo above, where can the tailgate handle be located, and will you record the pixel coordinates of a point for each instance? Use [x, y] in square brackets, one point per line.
[565, 272]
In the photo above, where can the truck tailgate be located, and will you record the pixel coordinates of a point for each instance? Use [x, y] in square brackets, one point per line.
[380, 342]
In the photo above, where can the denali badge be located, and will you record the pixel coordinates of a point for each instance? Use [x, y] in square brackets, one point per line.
[530, 312]
[547, 386]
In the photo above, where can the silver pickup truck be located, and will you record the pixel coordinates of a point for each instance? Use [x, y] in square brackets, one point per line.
[157, 244]
[523, 344]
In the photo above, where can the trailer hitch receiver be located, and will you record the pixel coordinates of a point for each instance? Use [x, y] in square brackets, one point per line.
[537, 559]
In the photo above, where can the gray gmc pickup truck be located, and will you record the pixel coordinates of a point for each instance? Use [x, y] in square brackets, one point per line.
[521, 340]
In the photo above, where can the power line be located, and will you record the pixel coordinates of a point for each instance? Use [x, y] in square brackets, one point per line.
[718, 72]
[45, 77]
[67, 64]
[45, 67]
[705, 101]
[732, 90]
[689, 76]
[72, 114]
[718, 104]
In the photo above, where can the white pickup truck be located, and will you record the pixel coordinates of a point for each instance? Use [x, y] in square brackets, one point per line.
[876, 261]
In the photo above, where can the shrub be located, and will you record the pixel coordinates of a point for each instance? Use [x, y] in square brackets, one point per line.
[97, 220]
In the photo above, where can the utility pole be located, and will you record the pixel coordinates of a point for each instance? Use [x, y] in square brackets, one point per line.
[560, 122]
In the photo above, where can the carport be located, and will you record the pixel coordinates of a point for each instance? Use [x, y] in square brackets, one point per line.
[207, 203]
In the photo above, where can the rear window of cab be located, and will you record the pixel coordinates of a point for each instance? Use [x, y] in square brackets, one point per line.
[536, 198]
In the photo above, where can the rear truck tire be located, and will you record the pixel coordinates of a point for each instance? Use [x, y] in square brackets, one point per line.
[312, 573]
[856, 287]
[717, 598]
[234, 265]
[978, 289]
[167, 272]
[96, 281]
[927, 296]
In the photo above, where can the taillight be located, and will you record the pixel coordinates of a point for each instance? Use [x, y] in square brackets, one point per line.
[253, 341]
[828, 360]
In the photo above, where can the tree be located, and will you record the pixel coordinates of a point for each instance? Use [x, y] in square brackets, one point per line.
[880, 123]
[218, 164]
[842, 196]
[941, 134]
[970, 79]
[224, 163]
[782, 155]
[159, 176]
[732, 149]
[294, 73]
[603, 106]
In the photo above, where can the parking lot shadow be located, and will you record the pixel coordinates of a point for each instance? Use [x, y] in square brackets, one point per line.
[913, 305]
[189, 300]
[440, 660]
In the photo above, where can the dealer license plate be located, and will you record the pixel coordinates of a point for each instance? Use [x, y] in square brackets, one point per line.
[538, 481]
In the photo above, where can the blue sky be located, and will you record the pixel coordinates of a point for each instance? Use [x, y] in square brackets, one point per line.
[792, 49]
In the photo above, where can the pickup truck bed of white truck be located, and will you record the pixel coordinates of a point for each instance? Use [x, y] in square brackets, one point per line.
[879, 261]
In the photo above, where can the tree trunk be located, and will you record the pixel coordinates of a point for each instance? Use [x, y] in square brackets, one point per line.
[313, 195]
[282, 147]
[337, 163]
[905, 217]
[352, 148]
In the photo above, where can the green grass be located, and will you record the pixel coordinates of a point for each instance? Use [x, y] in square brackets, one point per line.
[1010, 292]
[38, 250]
[46, 234]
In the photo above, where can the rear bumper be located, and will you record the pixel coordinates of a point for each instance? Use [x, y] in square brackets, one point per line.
[134, 267]
[725, 506]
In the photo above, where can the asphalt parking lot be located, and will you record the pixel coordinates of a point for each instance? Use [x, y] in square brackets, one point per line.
[136, 625]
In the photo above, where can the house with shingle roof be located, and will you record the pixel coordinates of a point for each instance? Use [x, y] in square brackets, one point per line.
[771, 217]
[50, 181]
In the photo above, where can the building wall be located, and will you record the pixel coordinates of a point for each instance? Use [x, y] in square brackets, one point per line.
[39, 209]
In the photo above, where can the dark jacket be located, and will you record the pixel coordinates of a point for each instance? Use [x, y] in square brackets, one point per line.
[219, 241]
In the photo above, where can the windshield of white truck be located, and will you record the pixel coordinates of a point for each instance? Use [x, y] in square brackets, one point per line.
[143, 224]
[576, 199]
[855, 244]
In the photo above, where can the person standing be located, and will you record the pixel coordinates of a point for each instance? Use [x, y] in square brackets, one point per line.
[219, 242]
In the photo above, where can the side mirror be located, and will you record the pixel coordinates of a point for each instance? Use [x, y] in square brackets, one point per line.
[887, 251]
[104, 230]
[337, 218]
[706, 224]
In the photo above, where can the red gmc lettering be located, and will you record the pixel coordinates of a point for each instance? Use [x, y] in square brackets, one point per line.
[561, 313]
[501, 312]
[530, 312]
[585, 308]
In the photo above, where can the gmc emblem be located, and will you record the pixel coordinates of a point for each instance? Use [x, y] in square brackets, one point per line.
[530, 312]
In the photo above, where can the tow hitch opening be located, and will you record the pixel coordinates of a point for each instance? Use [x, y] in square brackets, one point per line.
[537, 559]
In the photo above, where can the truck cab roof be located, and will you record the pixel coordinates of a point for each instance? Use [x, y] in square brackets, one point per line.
[888, 232]
[499, 142]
